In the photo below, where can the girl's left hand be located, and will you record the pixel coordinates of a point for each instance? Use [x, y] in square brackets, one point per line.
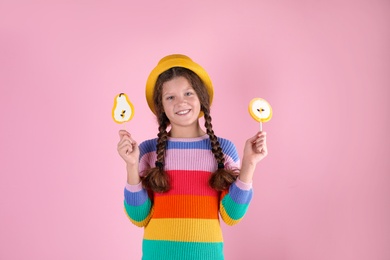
[256, 148]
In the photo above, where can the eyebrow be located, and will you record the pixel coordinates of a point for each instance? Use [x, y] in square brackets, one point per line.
[187, 89]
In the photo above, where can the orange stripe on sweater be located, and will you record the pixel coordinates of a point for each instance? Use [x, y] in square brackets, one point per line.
[186, 206]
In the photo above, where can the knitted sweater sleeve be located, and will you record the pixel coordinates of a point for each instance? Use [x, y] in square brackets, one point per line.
[234, 202]
[138, 205]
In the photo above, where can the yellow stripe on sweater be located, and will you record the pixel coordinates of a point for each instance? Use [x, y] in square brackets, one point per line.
[226, 218]
[184, 230]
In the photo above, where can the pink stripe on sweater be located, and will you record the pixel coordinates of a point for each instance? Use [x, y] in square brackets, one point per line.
[134, 188]
[243, 185]
[186, 159]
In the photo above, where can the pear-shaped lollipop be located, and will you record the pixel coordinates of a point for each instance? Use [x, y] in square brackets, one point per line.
[260, 110]
[123, 109]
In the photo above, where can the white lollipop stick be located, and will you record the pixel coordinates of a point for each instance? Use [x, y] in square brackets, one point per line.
[261, 123]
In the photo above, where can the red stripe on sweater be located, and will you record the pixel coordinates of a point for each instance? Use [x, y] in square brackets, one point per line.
[189, 183]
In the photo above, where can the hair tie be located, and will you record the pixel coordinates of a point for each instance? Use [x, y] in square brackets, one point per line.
[221, 166]
[159, 164]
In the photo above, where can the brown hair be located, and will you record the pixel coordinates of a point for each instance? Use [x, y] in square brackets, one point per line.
[155, 178]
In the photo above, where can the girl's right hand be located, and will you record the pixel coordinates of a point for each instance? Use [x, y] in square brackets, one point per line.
[128, 148]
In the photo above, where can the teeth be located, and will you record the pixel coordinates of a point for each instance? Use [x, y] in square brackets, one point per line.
[183, 112]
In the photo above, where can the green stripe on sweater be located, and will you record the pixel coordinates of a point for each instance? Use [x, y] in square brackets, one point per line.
[234, 210]
[138, 213]
[171, 250]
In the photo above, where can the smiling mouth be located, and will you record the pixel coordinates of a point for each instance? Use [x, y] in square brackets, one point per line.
[183, 112]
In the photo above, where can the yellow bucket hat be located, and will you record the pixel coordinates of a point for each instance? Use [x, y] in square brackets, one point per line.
[176, 60]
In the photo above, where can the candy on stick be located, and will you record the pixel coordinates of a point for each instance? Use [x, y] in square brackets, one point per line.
[260, 110]
[123, 109]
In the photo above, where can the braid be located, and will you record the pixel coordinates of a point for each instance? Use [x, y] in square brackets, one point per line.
[156, 179]
[161, 143]
[215, 147]
[221, 178]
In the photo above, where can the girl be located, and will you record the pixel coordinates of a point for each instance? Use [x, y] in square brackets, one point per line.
[179, 183]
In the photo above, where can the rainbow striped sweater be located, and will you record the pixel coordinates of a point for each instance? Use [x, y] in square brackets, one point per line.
[184, 222]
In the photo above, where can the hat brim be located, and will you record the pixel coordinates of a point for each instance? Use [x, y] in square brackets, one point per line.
[176, 60]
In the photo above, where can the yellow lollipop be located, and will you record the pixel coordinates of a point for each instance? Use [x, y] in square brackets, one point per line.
[123, 109]
[260, 110]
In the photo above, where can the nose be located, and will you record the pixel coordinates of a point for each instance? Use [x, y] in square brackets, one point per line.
[181, 100]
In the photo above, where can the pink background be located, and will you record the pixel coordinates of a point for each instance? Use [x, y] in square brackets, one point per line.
[323, 192]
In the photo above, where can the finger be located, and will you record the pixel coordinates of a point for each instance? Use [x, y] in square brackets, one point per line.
[124, 140]
[125, 146]
[125, 150]
[123, 133]
[261, 136]
[128, 145]
[254, 138]
[263, 149]
[127, 139]
[260, 147]
[264, 136]
[258, 140]
[259, 144]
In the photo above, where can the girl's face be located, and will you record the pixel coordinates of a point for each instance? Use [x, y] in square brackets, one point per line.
[181, 103]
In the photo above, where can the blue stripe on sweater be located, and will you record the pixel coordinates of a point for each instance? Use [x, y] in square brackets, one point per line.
[136, 198]
[240, 196]
[227, 146]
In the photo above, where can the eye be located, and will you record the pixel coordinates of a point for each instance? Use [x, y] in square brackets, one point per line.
[169, 98]
[189, 93]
